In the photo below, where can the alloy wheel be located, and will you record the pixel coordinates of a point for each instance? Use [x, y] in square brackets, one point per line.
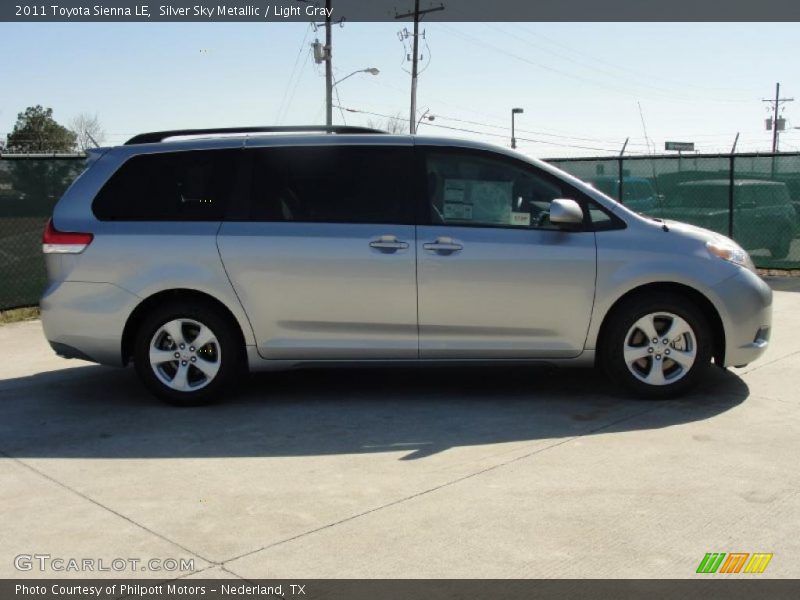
[185, 355]
[660, 348]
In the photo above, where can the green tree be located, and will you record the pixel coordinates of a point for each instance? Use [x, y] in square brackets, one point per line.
[37, 131]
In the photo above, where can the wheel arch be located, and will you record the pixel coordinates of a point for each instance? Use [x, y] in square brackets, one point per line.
[698, 298]
[173, 295]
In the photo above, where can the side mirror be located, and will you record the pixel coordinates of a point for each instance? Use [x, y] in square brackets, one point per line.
[565, 212]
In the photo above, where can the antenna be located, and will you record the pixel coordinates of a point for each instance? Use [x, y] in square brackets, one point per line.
[644, 129]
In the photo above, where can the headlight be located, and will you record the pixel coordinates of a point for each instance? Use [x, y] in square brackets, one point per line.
[727, 250]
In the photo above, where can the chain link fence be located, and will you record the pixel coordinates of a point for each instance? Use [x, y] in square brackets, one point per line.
[753, 198]
[29, 189]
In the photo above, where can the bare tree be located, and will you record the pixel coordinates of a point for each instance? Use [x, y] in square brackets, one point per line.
[394, 124]
[89, 131]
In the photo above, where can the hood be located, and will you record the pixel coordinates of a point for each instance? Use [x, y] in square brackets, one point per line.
[699, 233]
[686, 230]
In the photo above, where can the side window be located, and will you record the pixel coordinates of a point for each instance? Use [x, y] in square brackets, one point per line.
[480, 190]
[601, 220]
[333, 184]
[169, 186]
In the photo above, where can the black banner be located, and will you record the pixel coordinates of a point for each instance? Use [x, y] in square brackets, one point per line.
[714, 588]
[388, 10]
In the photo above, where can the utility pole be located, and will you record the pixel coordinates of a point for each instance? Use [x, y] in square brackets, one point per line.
[328, 66]
[775, 106]
[323, 53]
[417, 14]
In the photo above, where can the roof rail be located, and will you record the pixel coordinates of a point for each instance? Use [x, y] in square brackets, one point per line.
[160, 136]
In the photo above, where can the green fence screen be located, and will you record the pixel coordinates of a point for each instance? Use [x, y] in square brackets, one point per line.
[753, 198]
[29, 189]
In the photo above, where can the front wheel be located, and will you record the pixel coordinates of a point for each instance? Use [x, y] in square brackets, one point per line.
[186, 354]
[656, 345]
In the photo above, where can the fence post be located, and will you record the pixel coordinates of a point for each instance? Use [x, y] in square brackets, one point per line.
[732, 169]
[620, 185]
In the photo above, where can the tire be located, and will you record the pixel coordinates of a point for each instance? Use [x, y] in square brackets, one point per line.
[652, 370]
[187, 375]
[782, 248]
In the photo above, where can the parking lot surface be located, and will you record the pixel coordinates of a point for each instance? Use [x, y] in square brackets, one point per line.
[455, 473]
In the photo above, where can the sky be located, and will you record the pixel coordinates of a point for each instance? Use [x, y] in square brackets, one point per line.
[584, 87]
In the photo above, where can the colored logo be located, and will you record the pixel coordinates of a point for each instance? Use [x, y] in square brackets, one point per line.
[734, 562]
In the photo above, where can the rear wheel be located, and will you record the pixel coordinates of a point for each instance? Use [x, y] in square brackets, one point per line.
[656, 345]
[187, 354]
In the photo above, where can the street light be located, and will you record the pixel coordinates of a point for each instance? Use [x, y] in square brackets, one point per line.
[329, 92]
[371, 71]
[514, 112]
[425, 115]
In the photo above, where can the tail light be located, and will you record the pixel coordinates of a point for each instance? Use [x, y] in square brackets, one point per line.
[63, 242]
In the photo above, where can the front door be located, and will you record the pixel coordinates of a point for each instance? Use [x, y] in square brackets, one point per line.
[496, 279]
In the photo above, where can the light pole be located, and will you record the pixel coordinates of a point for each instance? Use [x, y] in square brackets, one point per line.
[424, 116]
[371, 71]
[514, 112]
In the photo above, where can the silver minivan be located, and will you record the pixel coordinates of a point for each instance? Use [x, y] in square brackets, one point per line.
[201, 254]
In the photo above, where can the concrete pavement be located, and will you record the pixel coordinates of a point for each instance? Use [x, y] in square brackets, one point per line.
[400, 473]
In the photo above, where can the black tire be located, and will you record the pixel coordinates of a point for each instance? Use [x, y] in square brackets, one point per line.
[620, 323]
[782, 248]
[228, 352]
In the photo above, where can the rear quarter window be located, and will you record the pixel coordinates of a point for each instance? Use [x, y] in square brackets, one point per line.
[169, 186]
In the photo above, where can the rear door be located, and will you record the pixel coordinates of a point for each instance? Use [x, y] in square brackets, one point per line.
[323, 258]
[496, 279]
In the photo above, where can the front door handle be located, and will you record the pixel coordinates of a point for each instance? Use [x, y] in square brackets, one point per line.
[388, 243]
[443, 245]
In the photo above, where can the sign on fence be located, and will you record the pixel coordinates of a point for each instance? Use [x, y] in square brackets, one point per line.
[679, 146]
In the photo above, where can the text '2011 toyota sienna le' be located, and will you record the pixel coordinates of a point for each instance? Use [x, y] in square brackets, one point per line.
[201, 257]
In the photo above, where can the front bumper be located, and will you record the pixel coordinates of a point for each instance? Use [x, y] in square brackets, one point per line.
[745, 303]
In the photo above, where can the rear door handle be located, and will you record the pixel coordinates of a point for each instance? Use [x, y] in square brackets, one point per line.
[388, 243]
[443, 245]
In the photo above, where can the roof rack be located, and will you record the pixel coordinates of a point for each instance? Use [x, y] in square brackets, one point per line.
[160, 136]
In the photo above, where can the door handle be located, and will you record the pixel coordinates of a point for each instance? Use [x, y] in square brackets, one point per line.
[388, 243]
[443, 245]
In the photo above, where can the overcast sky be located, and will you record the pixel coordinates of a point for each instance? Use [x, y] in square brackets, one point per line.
[581, 84]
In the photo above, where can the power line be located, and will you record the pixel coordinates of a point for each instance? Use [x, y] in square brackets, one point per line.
[593, 58]
[279, 116]
[506, 128]
[484, 133]
[593, 82]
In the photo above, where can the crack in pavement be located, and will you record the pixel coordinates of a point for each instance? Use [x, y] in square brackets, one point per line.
[445, 484]
[766, 364]
[222, 563]
[103, 506]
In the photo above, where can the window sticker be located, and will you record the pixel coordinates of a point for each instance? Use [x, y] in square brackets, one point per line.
[521, 219]
[478, 200]
[457, 211]
[454, 190]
